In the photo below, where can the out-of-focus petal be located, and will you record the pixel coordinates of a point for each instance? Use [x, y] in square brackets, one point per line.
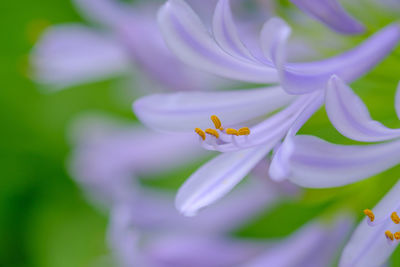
[72, 54]
[186, 111]
[225, 32]
[216, 178]
[313, 245]
[368, 247]
[330, 13]
[397, 101]
[350, 116]
[200, 251]
[319, 164]
[301, 78]
[188, 38]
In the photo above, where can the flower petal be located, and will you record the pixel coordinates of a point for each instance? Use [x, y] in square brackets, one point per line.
[350, 116]
[368, 246]
[225, 31]
[332, 14]
[71, 54]
[312, 245]
[279, 169]
[216, 178]
[186, 111]
[318, 164]
[397, 101]
[188, 38]
[301, 78]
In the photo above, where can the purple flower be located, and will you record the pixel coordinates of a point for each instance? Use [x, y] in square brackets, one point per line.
[71, 54]
[316, 163]
[332, 14]
[223, 53]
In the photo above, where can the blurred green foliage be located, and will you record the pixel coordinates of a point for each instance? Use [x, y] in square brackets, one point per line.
[44, 218]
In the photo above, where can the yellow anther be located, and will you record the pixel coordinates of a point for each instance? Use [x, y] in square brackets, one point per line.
[231, 131]
[201, 133]
[212, 132]
[389, 235]
[397, 235]
[395, 218]
[217, 122]
[370, 214]
[244, 131]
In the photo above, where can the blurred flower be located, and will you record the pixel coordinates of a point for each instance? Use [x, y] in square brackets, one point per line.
[332, 14]
[71, 54]
[224, 54]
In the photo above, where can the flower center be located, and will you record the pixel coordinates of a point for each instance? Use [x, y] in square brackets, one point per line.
[388, 234]
[224, 136]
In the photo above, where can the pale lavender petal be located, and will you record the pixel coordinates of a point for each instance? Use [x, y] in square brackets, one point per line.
[72, 54]
[368, 246]
[186, 111]
[154, 210]
[188, 38]
[200, 251]
[216, 178]
[109, 154]
[279, 169]
[350, 116]
[397, 101]
[309, 246]
[225, 32]
[273, 38]
[332, 14]
[318, 164]
[301, 78]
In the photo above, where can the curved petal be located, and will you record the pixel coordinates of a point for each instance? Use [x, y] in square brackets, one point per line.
[332, 14]
[279, 169]
[273, 38]
[301, 78]
[350, 116]
[368, 246]
[318, 164]
[312, 245]
[225, 32]
[186, 111]
[188, 38]
[216, 178]
[72, 54]
[397, 101]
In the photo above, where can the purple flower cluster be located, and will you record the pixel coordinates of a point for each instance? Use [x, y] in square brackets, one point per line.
[180, 50]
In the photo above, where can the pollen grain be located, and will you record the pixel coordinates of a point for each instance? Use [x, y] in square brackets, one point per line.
[201, 133]
[370, 214]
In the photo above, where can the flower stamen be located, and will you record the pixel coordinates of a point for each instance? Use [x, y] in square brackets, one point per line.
[201, 133]
[389, 235]
[212, 132]
[231, 131]
[217, 122]
[397, 235]
[395, 218]
[244, 131]
[370, 214]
